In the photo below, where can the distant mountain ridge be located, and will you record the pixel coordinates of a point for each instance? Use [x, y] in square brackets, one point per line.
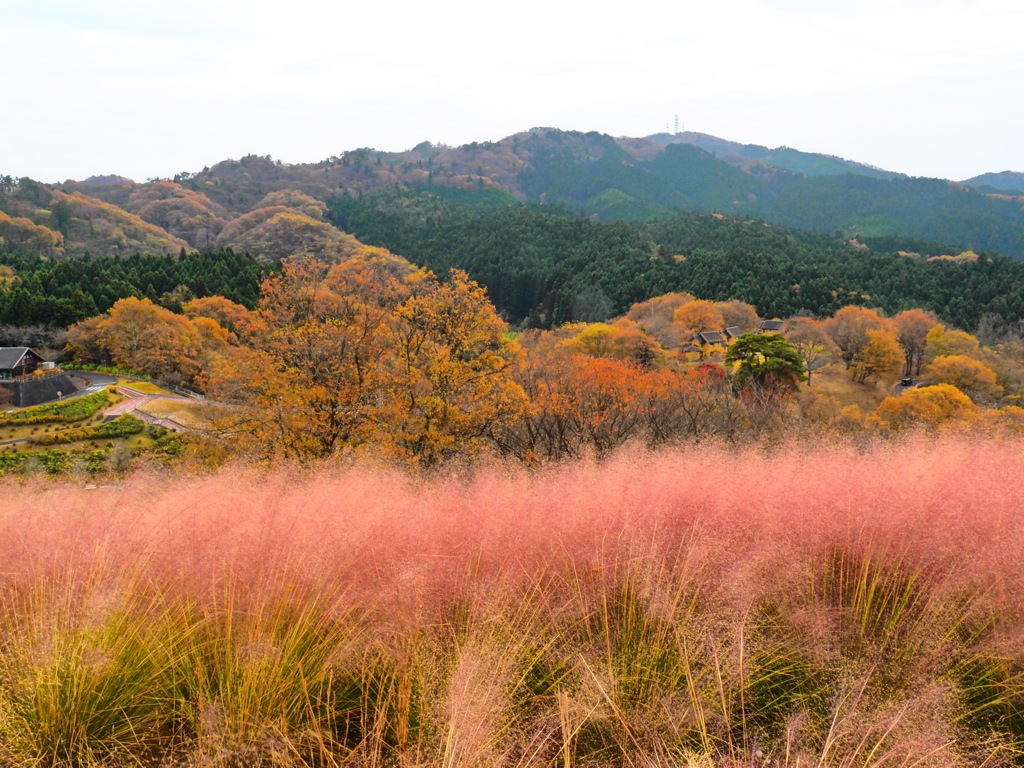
[783, 158]
[275, 209]
[1008, 181]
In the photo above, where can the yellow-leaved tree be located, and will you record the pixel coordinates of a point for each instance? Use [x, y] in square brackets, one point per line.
[970, 376]
[367, 352]
[929, 407]
[881, 358]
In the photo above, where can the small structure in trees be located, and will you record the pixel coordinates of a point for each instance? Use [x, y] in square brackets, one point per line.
[710, 341]
[18, 361]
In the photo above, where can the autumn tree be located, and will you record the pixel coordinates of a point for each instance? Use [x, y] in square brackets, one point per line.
[970, 376]
[580, 404]
[925, 407]
[454, 362]
[849, 330]
[620, 341]
[317, 374]
[234, 317]
[881, 358]
[699, 316]
[140, 336]
[811, 340]
[943, 342]
[660, 309]
[368, 351]
[738, 313]
[912, 327]
[654, 317]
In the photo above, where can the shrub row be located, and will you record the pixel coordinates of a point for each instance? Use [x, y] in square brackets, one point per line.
[75, 409]
[122, 426]
[53, 461]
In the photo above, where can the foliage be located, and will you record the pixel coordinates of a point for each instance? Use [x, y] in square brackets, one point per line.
[970, 376]
[140, 336]
[766, 363]
[72, 409]
[65, 292]
[932, 406]
[943, 342]
[849, 328]
[368, 351]
[122, 426]
[535, 261]
[697, 316]
[881, 358]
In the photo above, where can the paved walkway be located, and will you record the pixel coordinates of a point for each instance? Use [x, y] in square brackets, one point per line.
[136, 400]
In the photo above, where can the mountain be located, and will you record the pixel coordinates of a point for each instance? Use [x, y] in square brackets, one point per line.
[544, 265]
[1005, 181]
[275, 210]
[783, 158]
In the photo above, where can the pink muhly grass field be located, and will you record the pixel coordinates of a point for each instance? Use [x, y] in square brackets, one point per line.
[712, 606]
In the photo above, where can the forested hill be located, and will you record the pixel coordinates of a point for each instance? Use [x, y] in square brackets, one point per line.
[263, 206]
[39, 291]
[546, 265]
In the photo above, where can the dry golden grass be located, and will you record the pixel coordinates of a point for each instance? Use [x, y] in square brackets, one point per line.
[145, 387]
[189, 414]
[834, 381]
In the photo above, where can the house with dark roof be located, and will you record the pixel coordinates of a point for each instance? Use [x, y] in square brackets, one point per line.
[18, 361]
[770, 326]
[732, 333]
[30, 380]
[710, 342]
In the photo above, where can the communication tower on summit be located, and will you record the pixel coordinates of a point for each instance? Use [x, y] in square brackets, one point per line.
[677, 124]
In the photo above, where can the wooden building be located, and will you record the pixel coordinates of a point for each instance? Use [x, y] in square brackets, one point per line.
[18, 361]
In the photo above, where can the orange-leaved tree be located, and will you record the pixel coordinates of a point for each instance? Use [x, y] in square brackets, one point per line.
[912, 328]
[140, 336]
[369, 351]
[317, 373]
[697, 316]
[849, 330]
[453, 363]
[227, 313]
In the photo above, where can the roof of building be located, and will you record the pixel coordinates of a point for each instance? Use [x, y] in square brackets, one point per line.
[734, 330]
[11, 356]
[770, 325]
[691, 348]
[710, 337]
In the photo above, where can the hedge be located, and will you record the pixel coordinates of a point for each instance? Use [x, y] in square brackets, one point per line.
[75, 409]
[122, 426]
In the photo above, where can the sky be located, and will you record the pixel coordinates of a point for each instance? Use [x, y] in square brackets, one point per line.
[147, 89]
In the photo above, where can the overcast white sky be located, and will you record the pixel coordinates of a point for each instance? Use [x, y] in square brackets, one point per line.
[143, 89]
